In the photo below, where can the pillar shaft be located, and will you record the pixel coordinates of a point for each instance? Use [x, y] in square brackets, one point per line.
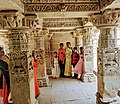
[40, 47]
[108, 63]
[21, 72]
[88, 55]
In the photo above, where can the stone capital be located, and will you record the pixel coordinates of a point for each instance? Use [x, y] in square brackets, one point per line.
[13, 18]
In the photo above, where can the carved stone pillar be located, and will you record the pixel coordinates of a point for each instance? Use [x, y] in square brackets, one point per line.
[40, 47]
[95, 37]
[88, 55]
[108, 54]
[108, 63]
[48, 53]
[21, 70]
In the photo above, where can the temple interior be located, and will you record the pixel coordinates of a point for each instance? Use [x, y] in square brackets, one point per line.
[41, 25]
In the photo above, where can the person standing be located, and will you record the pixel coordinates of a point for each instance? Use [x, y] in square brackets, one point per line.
[35, 67]
[55, 66]
[61, 59]
[75, 58]
[79, 68]
[4, 76]
[68, 66]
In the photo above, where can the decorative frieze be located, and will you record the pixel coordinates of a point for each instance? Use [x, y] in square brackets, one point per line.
[76, 7]
[63, 24]
[57, 1]
[62, 19]
[62, 30]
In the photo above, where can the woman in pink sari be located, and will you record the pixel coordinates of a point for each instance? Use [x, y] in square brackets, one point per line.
[79, 68]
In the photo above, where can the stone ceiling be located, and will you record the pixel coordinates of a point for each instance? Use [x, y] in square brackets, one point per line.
[53, 11]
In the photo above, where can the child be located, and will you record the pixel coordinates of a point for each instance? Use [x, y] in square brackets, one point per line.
[55, 66]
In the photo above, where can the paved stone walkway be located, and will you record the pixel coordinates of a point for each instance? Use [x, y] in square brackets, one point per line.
[68, 91]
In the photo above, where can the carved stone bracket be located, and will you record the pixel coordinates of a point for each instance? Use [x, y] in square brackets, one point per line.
[12, 17]
[108, 17]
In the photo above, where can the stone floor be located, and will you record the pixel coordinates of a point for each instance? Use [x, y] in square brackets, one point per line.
[68, 91]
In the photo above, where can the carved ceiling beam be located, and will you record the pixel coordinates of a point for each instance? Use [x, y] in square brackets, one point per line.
[61, 7]
[62, 30]
[57, 1]
[63, 24]
[62, 19]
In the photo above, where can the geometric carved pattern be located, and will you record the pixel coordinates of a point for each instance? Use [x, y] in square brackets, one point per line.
[62, 30]
[61, 7]
[19, 40]
[105, 3]
[62, 22]
[57, 1]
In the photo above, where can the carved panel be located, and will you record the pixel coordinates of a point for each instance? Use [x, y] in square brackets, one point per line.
[62, 19]
[19, 40]
[59, 24]
[111, 64]
[61, 7]
[88, 56]
[18, 63]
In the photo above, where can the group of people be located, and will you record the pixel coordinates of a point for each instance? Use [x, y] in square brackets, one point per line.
[67, 59]
[5, 77]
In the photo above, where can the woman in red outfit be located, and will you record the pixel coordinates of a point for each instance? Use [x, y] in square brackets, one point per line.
[4, 77]
[35, 67]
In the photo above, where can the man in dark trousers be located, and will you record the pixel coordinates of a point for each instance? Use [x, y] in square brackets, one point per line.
[61, 59]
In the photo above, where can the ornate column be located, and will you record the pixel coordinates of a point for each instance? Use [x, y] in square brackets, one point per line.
[21, 70]
[48, 53]
[95, 36]
[108, 57]
[88, 53]
[39, 37]
[20, 58]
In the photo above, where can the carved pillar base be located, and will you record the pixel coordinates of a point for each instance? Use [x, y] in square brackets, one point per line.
[90, 77]
[21, 72]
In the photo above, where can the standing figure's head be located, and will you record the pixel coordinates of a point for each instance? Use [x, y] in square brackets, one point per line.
[68, 44]
[1, 51]
[34, 54]
[55, 54]
[75, 49]
[81, 50]
[61, 45]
